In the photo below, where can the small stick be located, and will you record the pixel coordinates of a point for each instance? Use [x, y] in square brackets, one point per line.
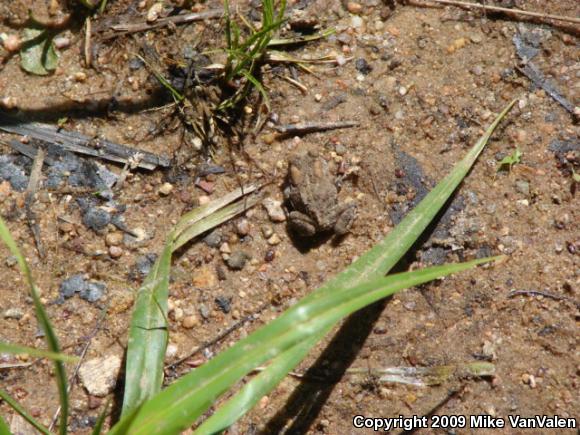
[124, 29]
[305, 128]
[296, 83]
[556, 297]
[31, 190]
[87, 48]
[508, 11]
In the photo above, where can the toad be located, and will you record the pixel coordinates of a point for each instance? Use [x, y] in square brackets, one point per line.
[313, 198]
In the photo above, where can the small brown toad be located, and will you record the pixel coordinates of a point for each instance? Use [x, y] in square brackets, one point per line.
[313, 198]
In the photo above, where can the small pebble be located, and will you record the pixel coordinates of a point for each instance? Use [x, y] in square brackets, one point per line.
[12, 43]
[165, 189]
[356, 22]
[61, 42]
[403, 91]
[267, 231]
[100, 375]
[190, 322]
[274, 240]
[523, 187]
[113, 239]
[213, 239]
[243, 227]
[13, 313]
[197, 143]
[363, 66]
[354, 8]
[224, 304]
[136, 241]
[457, 45]
[270, 255]
[204, 311]
[80, 76]
[225, 248]
[203, 200]
[237, 260]
[318, 98]
[274, 210]
[476, 38]
[115, 251]
[9, 103]
[477, 70]
[171, 351]
[154, 12]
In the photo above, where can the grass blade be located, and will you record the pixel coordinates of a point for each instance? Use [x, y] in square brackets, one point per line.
[148, 336]
[44, 322]
[4, 429]
[378, 261]
[206, 217]
[20, 410]
[98, 428]
[148, 332]
[16, 349]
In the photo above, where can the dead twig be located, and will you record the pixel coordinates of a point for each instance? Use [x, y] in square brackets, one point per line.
[532, 72]
[87, 45]
[31, 190]
[124, 29]
[545, 294]
[508, 11]
[306, 128]
[76, 143]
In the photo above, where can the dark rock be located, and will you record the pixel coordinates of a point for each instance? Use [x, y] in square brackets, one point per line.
[204, 311]
[93, 292]
[135, 64]
[72, 285]
[142, 266]
[96, 218]
[333, 101]
[224, 304]
[13, 173]
[237, 260]
[213, 239]
[363, 66]
[87, 290]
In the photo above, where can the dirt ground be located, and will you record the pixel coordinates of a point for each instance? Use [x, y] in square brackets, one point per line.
[422, 83]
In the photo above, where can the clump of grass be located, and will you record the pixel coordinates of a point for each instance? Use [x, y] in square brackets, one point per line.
[245, 55]
[281, 344]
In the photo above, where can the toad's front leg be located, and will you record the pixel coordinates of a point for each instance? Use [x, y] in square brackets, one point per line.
[302, 224]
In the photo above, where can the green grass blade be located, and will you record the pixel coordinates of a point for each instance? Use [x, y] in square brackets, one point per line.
[20, 410]
[212, 221]
[39, 353]
[148, 332]
[44, 322]
[177, 407]
[253, 391]
[98, 428]
[374, 263]
[148, 336]
[189, 224]
[254, 81]
[4, 429]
